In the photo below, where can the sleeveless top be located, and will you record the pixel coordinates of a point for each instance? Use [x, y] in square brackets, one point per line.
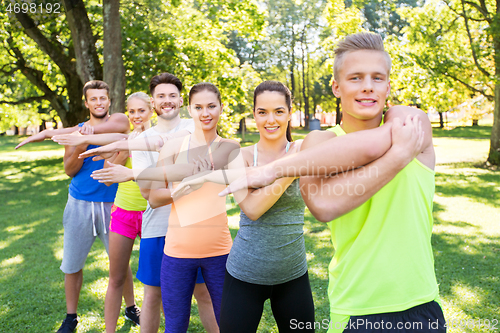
[271, 249]
[198, 221]
[84, 187]
[128, 196]
[383, 258]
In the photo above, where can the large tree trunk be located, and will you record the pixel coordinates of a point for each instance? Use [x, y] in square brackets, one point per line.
[292, 64]
[441, 120]
[494, 155]
[71, 109]
[338, 115]
[87, 60]
[243, 128]
[304, 86]
[114, 71]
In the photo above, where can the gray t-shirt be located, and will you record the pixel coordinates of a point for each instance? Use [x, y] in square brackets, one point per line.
[271, 250]
[155, 221]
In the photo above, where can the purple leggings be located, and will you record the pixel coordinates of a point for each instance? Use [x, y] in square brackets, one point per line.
[178, 277]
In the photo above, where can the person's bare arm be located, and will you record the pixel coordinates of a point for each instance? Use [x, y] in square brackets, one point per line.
[119, 158]
[47, 134]
[331, 156]
[116, 123]
[150, 143]
[427, 156]
[256, 202]
[72, 164]
[76, 139]
[159, 193]
[164, 172]
[331, 197]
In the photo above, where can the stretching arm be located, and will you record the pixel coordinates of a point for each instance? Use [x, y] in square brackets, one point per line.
[322, 195]
[47, 134]
[150, 143]
[71, 162]
[331, 156]
[164, 171]
[76, 139]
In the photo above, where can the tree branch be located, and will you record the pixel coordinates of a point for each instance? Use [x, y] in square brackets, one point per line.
[483, 11]
[26, 100]
[474, 55]
[35, 76]
[52, 48]
[9, 72]
[482, 92]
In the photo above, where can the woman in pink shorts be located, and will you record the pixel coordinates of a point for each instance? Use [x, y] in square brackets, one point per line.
[126, 223]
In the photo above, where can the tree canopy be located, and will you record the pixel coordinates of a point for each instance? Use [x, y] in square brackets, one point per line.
[444, 53]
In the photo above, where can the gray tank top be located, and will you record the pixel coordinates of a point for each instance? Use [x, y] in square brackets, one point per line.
[271, 250]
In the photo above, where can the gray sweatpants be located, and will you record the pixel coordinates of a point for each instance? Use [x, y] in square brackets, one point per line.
[83, 221]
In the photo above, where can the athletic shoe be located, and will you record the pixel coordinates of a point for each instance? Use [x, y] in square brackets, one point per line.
[68, 325]
[133, 314]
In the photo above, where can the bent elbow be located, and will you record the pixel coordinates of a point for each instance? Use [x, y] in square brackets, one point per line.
[70, 173]
[322, 216]
[153, 203]
[253, 216]
[323, 212]
[251, 212]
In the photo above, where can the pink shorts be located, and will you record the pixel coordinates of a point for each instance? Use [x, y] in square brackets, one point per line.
[127, 223]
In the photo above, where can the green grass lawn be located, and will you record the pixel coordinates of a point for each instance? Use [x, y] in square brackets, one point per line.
[33, 192]
[463, 132]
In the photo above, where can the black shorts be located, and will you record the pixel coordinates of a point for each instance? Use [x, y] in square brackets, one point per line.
[424, 318]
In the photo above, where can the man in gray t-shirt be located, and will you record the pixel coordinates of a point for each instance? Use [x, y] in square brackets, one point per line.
[165, 91]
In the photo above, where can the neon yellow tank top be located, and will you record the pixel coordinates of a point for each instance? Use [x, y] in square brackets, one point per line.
[129, 196]
[384, 260]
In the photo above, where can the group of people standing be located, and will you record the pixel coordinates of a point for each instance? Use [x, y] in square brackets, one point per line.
[382, 274]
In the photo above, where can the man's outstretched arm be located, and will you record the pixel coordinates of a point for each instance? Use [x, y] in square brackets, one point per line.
[117, 123]
[76, 139]
[47, 134]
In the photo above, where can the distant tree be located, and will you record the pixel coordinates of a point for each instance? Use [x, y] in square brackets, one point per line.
[459, 41]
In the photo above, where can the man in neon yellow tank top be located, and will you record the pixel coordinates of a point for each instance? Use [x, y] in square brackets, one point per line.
[382, 274]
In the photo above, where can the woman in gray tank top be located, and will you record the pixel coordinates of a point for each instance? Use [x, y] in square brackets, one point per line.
[268, 257]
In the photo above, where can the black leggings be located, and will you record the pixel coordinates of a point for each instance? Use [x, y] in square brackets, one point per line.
[243, 303]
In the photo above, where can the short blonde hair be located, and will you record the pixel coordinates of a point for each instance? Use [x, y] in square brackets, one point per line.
[358, 42]
[143, 97]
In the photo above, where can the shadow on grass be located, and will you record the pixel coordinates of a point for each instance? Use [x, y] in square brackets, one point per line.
[320, 252]
[467, 268]
[479, 186]
[32, 297]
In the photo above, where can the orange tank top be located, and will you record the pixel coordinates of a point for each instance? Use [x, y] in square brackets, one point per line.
[197, 225]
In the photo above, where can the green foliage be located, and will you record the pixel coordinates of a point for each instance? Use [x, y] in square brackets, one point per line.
[433, 64]
[382, 16]
[184, 37]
